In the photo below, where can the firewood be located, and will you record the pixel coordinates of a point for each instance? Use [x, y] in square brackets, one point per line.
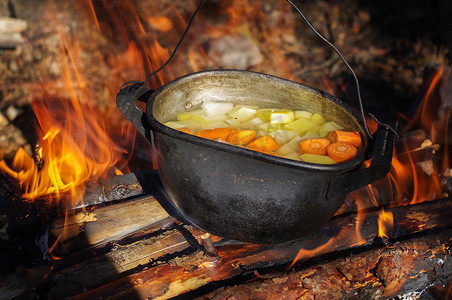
[112, 189]
[105, 224]
[10, 30]
[10, 287]
[194, 271]
[206, 242]
[366, 198]
[120, 260]
[425, 152]
[23, 212]
[385, 272]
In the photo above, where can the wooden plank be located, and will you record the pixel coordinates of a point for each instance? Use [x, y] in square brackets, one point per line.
[121, 260]
[105, 224]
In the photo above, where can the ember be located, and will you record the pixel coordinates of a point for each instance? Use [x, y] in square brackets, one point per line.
[77, 185]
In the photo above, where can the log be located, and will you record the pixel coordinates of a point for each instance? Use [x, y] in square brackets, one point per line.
[410, 140]
[24, 215]
[401, 271]
[426, 152]
[196, 271]
[120, 261]
[105, 224]
[80, 270]
[10, 287]
[114, 188]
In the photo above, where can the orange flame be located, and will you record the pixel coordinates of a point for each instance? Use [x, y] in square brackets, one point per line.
[417, 178]
[247, 18]
[385, 221]
[407, 182]
[160, 23]
[74, 146]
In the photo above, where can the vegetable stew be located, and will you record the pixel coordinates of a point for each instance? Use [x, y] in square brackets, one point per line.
[293, 134]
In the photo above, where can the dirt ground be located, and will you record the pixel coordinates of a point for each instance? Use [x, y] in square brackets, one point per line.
[389, 45]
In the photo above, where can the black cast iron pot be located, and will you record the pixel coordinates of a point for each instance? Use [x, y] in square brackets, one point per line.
[239, 193]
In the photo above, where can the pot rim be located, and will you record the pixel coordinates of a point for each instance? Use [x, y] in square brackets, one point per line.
[232, 149]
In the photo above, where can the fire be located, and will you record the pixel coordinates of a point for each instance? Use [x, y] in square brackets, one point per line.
[418, 178]
[385, 221]
[78, 140]
[75, 146]
[414, 177]
[160, 23]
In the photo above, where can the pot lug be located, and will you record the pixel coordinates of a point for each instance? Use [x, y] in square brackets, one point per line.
[383, 145]
[125, 101]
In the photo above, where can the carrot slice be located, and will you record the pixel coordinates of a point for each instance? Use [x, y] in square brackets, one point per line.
[215, 134]
[241, 137]
[349, 137]
[264, 144]
[340, 152]
[186, 130]
[314, 146]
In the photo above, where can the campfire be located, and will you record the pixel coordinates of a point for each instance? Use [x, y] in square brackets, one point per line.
[84, 214]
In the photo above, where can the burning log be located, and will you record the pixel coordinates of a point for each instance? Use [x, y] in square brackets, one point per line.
[144, 248]
[195, 271]
[412, 147]
[22, 212]
[411, 140]
[115, 188]
[419, 151]
[405, 268]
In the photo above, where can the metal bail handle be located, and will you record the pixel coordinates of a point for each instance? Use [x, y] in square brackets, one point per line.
[366, 128]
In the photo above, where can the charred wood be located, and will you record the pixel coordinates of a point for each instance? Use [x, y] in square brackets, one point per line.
[10, 40]
[197, 270]
[410, 140]
[23, 213]
[157, 244]
[9, 190]
[121, 260]
[403, 269]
